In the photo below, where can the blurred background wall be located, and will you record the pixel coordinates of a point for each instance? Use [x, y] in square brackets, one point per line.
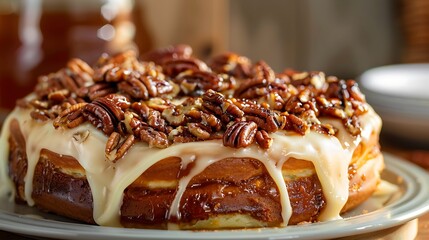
[340, 37]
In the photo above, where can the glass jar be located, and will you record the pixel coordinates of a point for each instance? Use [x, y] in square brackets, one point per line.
[39, 36]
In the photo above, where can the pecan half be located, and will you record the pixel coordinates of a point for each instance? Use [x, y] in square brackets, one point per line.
[112, 142]
[117, 73]
[101, 89]
[58, 96]
[240, 134]
[158, 103]
[124, 147]
[174, 66]
[71, 116]
[141, 109]
[158, 56]
[195, 83]
[40, 115]
[264, 118]
[263, 139]
[298, 124]
[76, 82]
[79, 66]
[199, 130]
[212, 121]
[261, 70]
[105, 113]
[145, 87]
[115, 149]
[131, 124]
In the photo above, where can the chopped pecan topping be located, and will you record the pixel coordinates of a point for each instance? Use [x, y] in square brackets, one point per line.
[156, 121]
[199, 131]
[259, 85]
[120, 67]
[39, 115]
[154, 138]
[232, 64]
[221, 107]
[211, 120]
[352, 125]
[81, 137]
[173, 97]
[181, 134]
[266, 88]
[175, 116]
[325, 129]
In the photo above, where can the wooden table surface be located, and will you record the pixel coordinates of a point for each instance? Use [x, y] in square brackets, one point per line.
[417, 229]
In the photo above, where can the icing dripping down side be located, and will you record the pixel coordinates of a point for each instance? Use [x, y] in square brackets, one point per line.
[108, 180]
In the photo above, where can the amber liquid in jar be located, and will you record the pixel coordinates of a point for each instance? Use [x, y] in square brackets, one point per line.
[38, 37]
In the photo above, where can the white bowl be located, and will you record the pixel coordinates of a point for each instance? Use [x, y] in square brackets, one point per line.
[410, 81]
[400, 95]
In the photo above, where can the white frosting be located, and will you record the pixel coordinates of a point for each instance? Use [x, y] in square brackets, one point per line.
[330, 155]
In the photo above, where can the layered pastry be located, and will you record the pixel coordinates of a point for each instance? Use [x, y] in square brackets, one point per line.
[169, 141]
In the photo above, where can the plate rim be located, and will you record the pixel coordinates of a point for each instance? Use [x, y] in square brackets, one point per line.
[412, 204]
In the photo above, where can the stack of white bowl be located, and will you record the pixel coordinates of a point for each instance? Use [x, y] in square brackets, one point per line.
[400, 95]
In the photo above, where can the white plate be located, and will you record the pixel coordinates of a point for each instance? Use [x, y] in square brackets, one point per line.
[408, 203]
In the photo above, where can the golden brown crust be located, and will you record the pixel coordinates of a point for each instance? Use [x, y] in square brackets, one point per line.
[230, 186]
[57, 192]
[17, 159]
